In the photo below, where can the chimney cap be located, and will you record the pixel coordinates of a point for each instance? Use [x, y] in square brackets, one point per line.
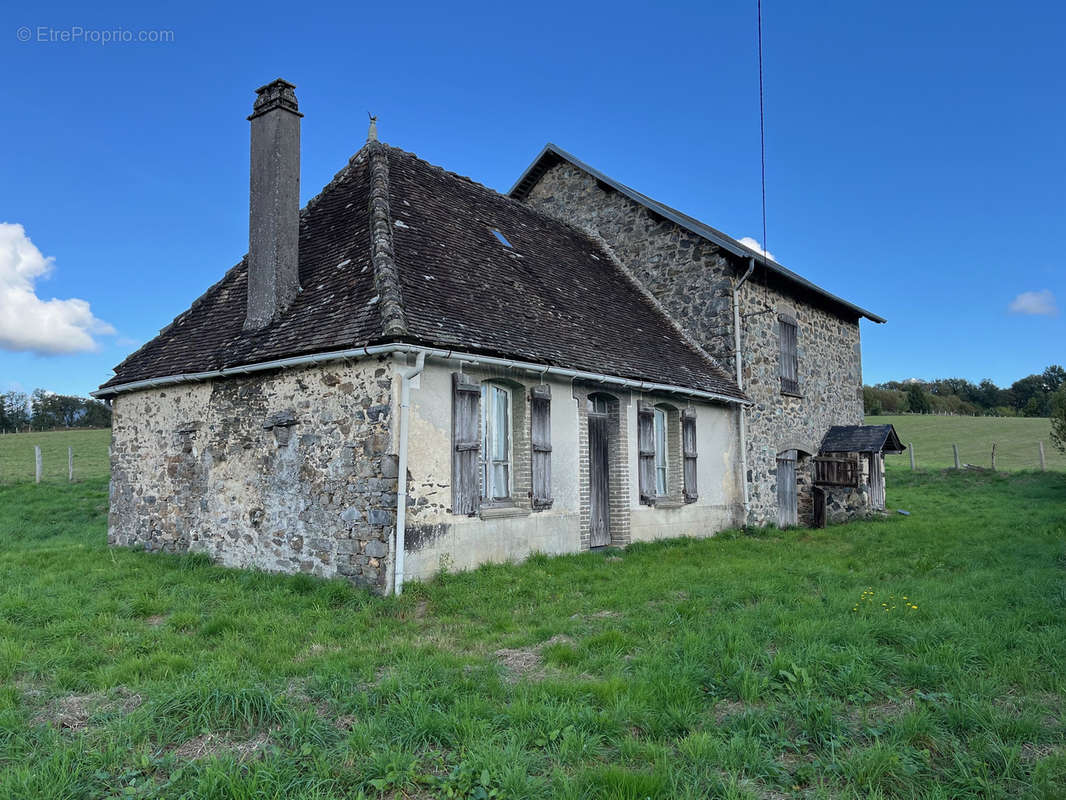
[276, 94]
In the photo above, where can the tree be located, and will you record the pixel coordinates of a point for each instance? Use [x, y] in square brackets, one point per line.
[917, 399]
[14, 411]
[1058, 419]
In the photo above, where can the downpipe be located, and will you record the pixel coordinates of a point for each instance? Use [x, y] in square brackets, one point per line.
[407, 374]
[741, 411]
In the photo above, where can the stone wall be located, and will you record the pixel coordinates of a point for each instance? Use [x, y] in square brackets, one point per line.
[291, 471]
[692, 279]
[830, 393]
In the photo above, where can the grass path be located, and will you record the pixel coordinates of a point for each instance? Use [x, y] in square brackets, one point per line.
[1016, 440]
[736, 667]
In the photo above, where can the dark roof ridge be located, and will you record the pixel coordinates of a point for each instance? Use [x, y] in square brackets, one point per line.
[386, 274]
[501, 195]
[652, 300]
[530, 175]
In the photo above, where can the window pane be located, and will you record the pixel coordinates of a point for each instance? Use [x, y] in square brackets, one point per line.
[500, 481]
[660, 451]
[502, 426]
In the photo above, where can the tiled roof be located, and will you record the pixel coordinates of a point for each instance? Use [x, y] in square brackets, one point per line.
[441, 278]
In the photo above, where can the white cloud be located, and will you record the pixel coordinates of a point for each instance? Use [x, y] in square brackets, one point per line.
[1042, 302]
[28, 323]
[753, 244]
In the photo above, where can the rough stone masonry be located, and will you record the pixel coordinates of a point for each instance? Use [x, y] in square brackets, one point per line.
[290, 471]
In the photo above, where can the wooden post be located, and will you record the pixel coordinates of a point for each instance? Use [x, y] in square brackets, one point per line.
[70, 464]
[1043, 461]
[910, 446]
[955, 447]
[37, 460]
[993, 456]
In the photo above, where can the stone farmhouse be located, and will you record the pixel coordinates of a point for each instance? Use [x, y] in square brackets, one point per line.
[415, 370]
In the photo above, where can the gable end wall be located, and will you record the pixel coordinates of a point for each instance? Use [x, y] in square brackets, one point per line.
[292, 471]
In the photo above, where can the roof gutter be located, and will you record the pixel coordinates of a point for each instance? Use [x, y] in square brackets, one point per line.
[430, 352]
[407, 374]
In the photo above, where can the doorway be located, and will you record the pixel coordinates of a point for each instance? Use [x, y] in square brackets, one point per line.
[599, 471]
[787, 496]
[877, 481]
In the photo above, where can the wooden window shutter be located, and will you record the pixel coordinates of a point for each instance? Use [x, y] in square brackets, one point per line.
[688, 441]
[788, 335]
[540, 436]
[466, 438]
[646, 448]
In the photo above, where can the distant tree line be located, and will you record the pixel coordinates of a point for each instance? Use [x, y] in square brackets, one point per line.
[44, 410]
[1031, 396]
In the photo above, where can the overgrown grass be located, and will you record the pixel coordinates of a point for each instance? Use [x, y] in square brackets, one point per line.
[90, 455]
[1016, 438]
[745, 666]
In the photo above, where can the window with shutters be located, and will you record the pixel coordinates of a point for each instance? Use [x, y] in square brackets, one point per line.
[788, 336]
[540, 436]
[688, 443]
[656, 428]
[495, 443]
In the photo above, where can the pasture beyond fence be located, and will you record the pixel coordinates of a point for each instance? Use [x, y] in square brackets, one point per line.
[83, 452]
[939, 442]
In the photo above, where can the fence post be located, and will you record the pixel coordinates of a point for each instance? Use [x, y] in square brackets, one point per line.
[37, 461]
[1043, 461]
[955, 447]
[910, 446]
[70, 464]
[993, 456]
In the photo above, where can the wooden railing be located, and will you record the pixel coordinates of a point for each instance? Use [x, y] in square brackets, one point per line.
[836, 471]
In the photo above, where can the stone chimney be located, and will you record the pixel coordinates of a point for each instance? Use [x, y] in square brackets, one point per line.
[274, 218]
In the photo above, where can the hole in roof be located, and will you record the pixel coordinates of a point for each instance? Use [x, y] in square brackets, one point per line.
[502, 238]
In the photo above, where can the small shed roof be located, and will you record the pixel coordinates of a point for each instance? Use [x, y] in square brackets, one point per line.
[861, 439]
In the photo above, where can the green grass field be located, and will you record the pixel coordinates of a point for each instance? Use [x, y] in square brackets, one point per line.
[915, 657]
[90, 455]
[1016, 440]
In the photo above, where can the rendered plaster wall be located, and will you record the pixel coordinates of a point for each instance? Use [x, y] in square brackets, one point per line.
[435, 537]
[718, 505]
[291, 471]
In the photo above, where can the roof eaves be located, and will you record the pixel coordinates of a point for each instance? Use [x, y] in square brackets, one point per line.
[525, 182]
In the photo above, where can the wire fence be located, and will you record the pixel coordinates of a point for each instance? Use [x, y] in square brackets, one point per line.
[46, 457]
[1007, 455]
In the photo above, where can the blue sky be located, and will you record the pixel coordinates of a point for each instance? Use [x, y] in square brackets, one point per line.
[915, 151]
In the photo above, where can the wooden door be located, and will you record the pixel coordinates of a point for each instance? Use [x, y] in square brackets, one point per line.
[877, 481]
[599, 476]
[787, 502]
